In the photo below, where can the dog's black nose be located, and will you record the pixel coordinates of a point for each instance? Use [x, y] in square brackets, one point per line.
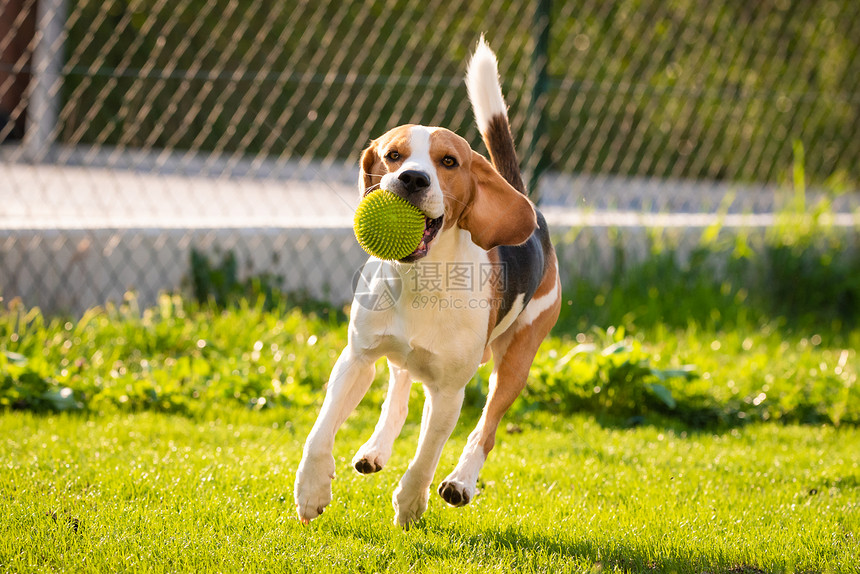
[414, 180]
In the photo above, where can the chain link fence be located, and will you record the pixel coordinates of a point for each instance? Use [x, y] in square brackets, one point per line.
[135, 131]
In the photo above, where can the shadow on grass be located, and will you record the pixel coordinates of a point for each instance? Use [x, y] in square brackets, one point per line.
[523, 551]
[540, 549]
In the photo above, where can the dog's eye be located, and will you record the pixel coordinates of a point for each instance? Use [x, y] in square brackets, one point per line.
[392, 155]
[449, 161]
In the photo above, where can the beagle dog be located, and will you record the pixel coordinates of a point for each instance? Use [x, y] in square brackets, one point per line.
[484, 281]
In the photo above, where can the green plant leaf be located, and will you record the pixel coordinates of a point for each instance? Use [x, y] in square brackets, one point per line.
[663, 394]
[616, 349]
[16, 359]
[61, 399]
[687, 372]
[581, 349]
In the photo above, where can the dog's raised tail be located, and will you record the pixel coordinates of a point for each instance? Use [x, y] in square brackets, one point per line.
[491, 113]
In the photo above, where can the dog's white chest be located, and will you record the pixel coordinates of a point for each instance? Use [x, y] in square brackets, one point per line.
[438, 317]
[429, 334]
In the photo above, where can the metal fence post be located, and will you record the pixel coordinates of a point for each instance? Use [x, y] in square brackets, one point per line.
[46, 79]
[535, 160]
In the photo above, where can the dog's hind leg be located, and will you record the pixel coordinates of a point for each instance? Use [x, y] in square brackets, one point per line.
[506, 382]
[349, 381]
[373, 454]
[513, 353]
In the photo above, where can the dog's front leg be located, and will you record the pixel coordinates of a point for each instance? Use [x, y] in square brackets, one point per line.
[441, 411]
[349, 381]
[373, 455]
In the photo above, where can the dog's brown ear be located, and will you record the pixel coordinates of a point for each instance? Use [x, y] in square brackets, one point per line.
[370, 171]
[498, 214]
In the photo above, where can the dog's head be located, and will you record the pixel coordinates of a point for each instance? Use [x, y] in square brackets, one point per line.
[455, 187]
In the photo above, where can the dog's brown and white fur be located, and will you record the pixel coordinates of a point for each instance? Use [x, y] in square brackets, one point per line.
[477, 217]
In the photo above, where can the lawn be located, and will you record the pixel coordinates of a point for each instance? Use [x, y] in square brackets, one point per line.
[167, 440]
[161, 492]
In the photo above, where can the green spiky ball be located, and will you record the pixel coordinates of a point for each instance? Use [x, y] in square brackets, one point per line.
[387, 226]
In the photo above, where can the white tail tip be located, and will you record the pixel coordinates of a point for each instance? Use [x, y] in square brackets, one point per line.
[482, 82]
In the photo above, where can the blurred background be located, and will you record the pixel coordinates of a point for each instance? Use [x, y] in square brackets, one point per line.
[154, 145]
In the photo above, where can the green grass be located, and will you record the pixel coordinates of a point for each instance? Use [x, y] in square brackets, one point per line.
[167, 440]
[160, 492]
[184, 358]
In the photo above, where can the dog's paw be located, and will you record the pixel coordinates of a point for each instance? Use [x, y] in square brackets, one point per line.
[409, 506]
[313, 488]
[369, 460]
[365, 466]
[456, 493]
[310, 507]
